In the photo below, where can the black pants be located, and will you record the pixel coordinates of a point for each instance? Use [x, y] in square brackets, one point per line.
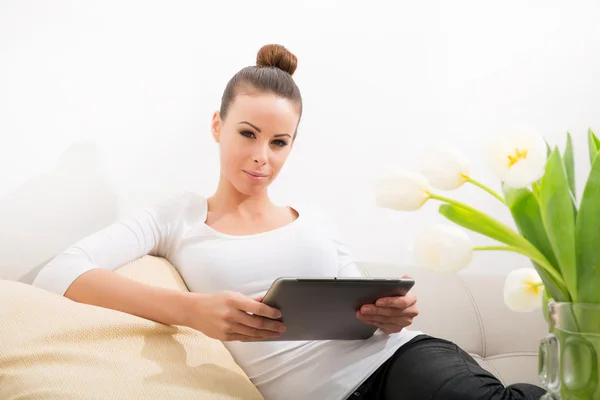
[428, 368]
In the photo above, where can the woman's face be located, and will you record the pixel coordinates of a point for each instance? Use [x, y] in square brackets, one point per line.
[255, 140]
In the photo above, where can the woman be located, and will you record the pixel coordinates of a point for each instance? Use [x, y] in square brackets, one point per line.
[230, 246]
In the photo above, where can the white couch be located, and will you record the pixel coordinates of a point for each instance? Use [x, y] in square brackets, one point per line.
[53, 347]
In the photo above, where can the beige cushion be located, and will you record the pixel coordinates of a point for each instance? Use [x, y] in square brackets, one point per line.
[54, 348]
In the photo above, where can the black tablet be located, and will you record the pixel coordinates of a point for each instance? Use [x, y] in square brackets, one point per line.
[325, 308]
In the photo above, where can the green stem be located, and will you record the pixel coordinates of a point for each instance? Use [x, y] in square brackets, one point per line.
[452, 201]
[539, 258]
[484, 187]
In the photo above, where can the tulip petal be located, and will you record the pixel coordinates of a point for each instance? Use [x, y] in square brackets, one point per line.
[445, 168]
[518, 159]
[526, 171]
[443, 248]
[522, 290]
[401, 190]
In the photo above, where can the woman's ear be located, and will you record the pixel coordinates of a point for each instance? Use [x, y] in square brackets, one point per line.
[215, 126]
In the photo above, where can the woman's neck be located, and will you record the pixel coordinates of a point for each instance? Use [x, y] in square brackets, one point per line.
[228, 200]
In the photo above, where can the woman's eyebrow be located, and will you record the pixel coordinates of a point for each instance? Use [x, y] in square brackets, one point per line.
[259, 131]
[252, 125]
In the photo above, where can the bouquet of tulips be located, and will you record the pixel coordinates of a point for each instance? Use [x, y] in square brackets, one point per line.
[558, 233]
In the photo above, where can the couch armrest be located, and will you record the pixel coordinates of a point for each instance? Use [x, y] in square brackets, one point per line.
[468, 308]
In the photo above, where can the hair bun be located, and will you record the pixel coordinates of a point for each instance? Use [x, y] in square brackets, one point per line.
[275, 55]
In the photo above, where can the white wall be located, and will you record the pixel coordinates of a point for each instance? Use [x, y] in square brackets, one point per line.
[106, 105]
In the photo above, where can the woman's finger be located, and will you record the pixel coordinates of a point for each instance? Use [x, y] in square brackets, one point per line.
[375, 318]
[384, 319]
[258, 308]
[387, 311]
[253, 333]
[401, 302]
[261, 323]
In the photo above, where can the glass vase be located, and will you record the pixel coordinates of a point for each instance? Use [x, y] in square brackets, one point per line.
[569, 355]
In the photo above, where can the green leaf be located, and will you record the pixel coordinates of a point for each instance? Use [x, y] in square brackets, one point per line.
[556, 207]
[525, 210]
[554, 289]
[593, 144]
[479, 222]
[535, 187]
[548, 149]
[587, 238]
[569, 162]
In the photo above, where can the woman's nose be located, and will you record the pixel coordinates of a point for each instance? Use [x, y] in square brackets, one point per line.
[261, 156]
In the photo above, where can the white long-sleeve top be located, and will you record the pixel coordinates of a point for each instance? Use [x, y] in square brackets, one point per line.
[210, 261]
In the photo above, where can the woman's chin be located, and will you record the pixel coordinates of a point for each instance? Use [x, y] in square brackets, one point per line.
[252, 189]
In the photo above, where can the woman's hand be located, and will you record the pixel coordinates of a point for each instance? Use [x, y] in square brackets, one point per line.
[225, 316]
[390, 314]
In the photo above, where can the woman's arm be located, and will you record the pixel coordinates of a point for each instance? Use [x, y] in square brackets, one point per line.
[104, 288]
[84, 273]
[223, 315]
[145, 232]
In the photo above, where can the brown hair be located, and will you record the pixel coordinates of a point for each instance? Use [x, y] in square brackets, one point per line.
[273, 72]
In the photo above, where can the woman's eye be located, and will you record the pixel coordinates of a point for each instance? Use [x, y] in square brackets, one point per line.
[248, 134]
[280, 143]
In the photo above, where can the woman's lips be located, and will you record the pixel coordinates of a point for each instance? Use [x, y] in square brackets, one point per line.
[256, 176]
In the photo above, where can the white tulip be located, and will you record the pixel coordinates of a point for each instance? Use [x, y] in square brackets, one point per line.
[518, 159]
[445, 167]
[401, 190]
[523, 290]
[443, 248]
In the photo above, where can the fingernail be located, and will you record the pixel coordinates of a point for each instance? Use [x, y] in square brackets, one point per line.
[368, 309]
